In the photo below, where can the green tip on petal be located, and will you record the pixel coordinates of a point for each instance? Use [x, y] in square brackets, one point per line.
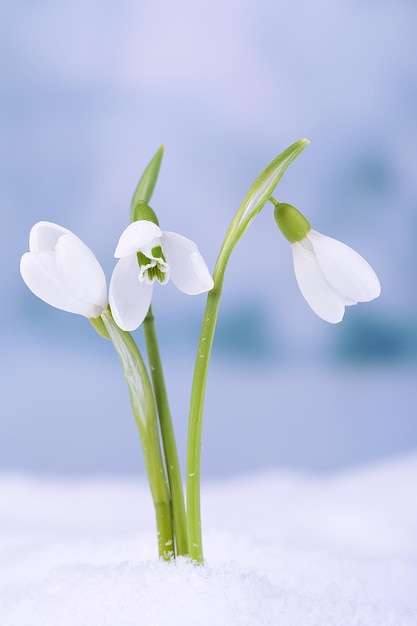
[143, 211]
[291, 222]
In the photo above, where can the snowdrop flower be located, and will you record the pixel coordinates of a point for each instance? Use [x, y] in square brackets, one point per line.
[147, 254]
[61, 270]
[329, 274]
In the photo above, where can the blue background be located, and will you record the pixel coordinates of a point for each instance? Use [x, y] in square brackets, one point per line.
[88, 93]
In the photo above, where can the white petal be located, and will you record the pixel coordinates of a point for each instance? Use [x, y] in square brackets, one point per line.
[345, 269]
[129, 299]
[135, 236]
[39, 271]
[44, 235]
[71, 280]
[80, 272]
[325, 301]
[189, 271]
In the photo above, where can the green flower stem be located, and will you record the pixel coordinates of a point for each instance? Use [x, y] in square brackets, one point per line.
[197, 407]
[168, 437]
[258, 194]
[143, 406]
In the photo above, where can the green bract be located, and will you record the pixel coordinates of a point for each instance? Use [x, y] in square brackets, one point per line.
[262, 188]
[291, 222]
[143, 211]
[146, 185]
[99, 326]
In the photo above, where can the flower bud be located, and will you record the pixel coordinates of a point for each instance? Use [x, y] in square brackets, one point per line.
[61, 270]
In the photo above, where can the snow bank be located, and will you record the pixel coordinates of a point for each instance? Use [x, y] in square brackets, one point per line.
[281, 549]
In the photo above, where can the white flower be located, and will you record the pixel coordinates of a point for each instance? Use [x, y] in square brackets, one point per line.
[332, 276]
[147, 254]
[61, 270]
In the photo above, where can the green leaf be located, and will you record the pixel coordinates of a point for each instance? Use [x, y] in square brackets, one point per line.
[146, 185]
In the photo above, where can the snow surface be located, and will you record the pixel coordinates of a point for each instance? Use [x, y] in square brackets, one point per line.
[281, 549]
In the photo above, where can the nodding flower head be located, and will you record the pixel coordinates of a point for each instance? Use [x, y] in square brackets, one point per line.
[147, 255]
[329, 274]
[61, 270]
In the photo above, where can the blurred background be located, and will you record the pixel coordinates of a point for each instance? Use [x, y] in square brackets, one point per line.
[89, 90]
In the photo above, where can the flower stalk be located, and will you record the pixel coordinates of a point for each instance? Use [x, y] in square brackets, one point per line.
[195, 424]
[167, 433]
[257, 196]
[143, 406]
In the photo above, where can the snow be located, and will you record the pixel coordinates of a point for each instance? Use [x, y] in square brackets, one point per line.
[282, 548]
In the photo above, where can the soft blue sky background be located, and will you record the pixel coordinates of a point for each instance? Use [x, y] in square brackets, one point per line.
[89, 90]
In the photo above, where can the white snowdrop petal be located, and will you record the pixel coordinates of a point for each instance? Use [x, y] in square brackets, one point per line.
[135, 236]
[188, 269]
[39, 271]
[129, 299]
[324, 300]
[44, 236]
[345, 269]
[80, 272]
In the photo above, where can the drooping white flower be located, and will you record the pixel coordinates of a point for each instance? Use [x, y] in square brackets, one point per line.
[329, 273]
[147, 254]
[61, 270]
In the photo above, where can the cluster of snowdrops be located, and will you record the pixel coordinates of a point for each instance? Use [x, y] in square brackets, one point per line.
[61, 270]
